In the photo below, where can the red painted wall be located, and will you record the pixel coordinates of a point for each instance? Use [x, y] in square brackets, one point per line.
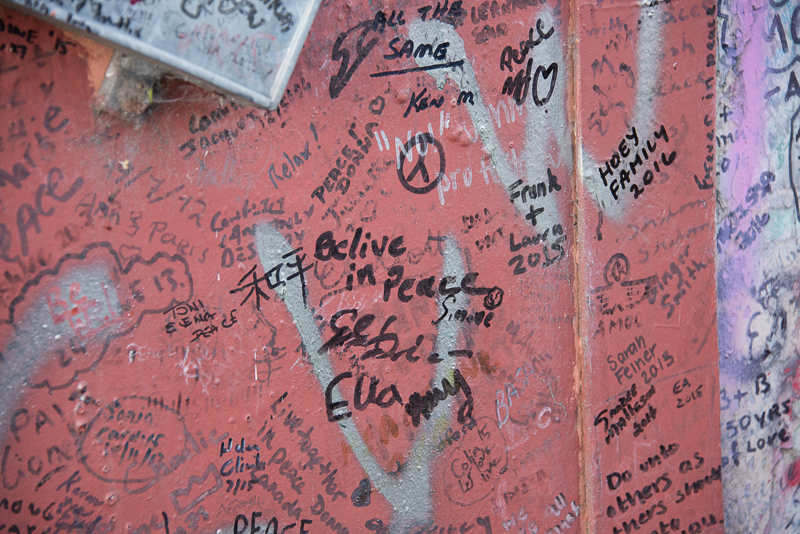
[358, 312]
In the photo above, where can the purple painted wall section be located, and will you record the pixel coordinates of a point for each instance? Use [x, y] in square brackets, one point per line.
[759, 263]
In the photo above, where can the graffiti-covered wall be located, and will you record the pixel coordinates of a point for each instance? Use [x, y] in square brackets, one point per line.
[463, 279]
[645, 86]
[757, 217]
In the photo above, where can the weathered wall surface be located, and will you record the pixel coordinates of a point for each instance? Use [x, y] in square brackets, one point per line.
[757, 216]
[646, 83]
[403, 302]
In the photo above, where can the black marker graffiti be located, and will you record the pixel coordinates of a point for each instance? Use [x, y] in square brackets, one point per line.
[420, 167]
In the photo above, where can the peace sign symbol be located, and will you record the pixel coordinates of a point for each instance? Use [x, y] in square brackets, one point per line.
[617, 269]
[420, 168]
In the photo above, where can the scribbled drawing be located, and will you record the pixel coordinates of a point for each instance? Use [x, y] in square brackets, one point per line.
[767, 328]
[473, 467]
[137, 441]
[86, 316]
[198, 483]
[794, 158]
[409, 490]
[779, 70]
[63, 321]
[619, 293]
[762, 346]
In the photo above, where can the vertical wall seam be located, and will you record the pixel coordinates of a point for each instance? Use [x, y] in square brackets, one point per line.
[577, 290]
